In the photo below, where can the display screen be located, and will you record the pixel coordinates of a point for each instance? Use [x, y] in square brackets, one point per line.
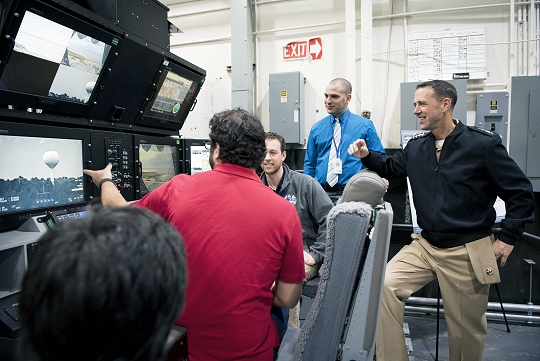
[159, 164]
[199, 156]
[40, 173]
[171, 95]
[52, 60]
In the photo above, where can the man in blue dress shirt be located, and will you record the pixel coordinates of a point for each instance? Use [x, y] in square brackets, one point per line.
[329, 139]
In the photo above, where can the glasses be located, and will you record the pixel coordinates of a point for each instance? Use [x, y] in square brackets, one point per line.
[207, 145]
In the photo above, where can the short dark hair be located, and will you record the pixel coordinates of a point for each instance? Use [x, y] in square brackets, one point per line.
[241, 137]
[272, 135]
[107, 286]
[344, 83]
[441, 89]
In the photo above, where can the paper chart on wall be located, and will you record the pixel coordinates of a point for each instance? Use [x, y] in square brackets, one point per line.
[440, 54]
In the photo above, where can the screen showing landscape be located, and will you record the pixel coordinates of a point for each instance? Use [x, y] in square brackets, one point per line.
[40, 173]
[159, 163]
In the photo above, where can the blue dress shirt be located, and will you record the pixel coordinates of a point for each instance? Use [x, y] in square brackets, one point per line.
[353, 127]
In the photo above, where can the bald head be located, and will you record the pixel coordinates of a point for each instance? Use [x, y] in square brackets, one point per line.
[344, 83]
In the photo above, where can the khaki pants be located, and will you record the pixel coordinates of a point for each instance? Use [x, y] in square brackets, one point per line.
[465, 298]
[294, 314]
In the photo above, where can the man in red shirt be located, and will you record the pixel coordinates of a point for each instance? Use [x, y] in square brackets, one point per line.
[243, 243]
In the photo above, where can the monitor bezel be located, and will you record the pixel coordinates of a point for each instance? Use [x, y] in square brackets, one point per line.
[184, 70]
[14, 220]
[148, 139]
[186, 161]
[12, 99]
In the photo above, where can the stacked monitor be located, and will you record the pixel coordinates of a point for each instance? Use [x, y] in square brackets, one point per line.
[41, 169]
[196, 156]
[53, 61]
[67, 61]
[77, 91]
[158, 162]
[172, 95]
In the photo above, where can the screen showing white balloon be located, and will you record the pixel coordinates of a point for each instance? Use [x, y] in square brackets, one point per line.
[40, 172]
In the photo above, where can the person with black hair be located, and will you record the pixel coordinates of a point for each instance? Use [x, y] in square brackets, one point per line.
[456, 173]
[107, 286]
[243, 243]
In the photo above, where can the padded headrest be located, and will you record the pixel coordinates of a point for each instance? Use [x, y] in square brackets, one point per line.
[366, 186]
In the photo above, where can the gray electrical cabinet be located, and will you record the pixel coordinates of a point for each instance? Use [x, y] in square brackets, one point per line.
[286, 100]
[524, 135]
[407, 90]
[492, 113]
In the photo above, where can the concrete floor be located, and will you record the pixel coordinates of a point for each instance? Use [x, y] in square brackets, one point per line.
[522, 343]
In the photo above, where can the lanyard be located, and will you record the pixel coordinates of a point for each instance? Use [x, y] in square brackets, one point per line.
[342, 132]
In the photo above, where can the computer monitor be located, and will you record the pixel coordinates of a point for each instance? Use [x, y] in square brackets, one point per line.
[196, 156]
[172, 95]
[52, 60]
[158, 160]
[41, 170]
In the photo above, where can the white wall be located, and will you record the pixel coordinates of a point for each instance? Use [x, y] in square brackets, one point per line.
[207, 38]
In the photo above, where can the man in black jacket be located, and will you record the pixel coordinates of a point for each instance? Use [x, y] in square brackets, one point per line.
[456, 173]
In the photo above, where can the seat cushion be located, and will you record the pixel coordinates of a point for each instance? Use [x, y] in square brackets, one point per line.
[366, 186]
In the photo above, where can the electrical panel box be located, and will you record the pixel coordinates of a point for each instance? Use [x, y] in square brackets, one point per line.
[492, 113]
[407, 90]
[524, 135]
[287, 106]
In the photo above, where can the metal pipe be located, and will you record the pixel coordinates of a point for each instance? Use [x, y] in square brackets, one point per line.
[406, 38]
[350, 47]
[504, 84]
[210, 11]
[256, 90]
[366, 51]
[513, 38]
[382, 17]
[406, 14]
[425, 12]
[469, 92]
[532, 46]
[520, 41]
[513, 307]
[538, 39]
[491, 316]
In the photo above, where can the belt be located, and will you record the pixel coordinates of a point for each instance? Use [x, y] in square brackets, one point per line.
[336, 188]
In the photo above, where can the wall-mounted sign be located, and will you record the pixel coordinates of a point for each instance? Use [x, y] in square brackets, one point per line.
[295, 50]
[447, 54]
[315, 48]
[300, 49]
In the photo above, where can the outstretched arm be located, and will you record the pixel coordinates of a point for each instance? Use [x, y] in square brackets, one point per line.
[359, 148]
[110, 196]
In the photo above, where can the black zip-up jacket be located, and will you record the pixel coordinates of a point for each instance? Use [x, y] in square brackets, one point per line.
[454, 198]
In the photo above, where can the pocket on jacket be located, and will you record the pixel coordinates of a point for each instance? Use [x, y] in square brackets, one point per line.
[483, 260]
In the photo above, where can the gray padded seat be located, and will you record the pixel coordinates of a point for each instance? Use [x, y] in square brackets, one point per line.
[366, 186]
[341, 323]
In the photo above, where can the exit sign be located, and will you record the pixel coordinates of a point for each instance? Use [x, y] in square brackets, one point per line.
[300, 49]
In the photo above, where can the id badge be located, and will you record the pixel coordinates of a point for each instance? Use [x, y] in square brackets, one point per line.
[337, 166]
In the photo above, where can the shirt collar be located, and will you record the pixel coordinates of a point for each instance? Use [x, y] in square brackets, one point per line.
[344, 117]
[236, 170]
